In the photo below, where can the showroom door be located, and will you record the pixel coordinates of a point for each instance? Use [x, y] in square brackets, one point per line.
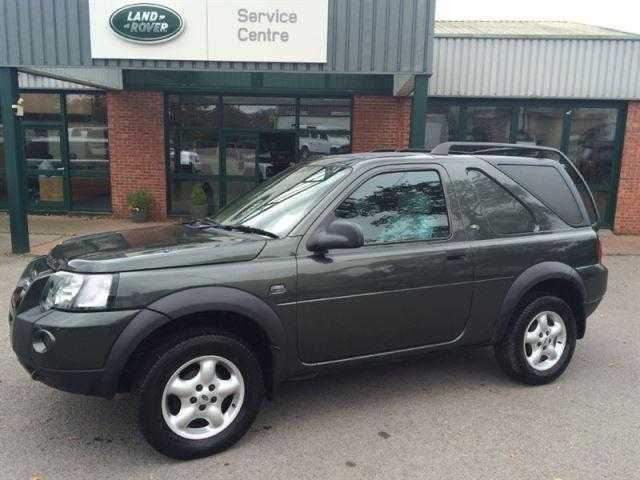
[47, 168]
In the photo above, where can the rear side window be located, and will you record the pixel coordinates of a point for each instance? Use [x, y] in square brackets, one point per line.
[504, 213]
[548, 185]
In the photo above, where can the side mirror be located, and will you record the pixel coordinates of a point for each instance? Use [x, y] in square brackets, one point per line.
[338, 234]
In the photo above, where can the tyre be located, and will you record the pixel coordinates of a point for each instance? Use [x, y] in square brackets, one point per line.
[198, 395]
[539, 342]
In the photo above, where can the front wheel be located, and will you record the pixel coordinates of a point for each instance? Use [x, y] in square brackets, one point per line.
[539, 342]
[199, 396]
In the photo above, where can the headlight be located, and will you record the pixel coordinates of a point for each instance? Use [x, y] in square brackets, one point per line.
[74, 291]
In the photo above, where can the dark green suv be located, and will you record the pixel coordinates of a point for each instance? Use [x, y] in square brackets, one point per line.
[336, 262]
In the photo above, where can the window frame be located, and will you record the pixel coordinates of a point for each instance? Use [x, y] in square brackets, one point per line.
[326, 213]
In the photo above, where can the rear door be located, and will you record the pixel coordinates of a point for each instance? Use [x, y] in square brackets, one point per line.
[410, 284]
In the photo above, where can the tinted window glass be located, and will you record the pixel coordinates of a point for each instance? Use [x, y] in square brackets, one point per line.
[399, 207]
[546, 183]
[504, 213]
[442, 124]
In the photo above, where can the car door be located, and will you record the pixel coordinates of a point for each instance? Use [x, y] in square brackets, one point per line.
[410, 284]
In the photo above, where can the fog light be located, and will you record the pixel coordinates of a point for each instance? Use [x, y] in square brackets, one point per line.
[43, 341]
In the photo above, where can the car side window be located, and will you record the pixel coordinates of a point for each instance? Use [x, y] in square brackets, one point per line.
[399, 207]
[504, 213]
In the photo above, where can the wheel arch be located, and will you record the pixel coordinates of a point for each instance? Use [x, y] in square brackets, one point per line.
[554, 278]
[222, 307]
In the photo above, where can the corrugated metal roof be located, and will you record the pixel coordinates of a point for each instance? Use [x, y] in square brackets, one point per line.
[365, 36]
[510, 28]
[525, 67]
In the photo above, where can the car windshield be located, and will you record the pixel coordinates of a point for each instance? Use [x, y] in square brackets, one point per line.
[279, 204]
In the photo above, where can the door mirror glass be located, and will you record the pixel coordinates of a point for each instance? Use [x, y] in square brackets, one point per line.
[337, 235]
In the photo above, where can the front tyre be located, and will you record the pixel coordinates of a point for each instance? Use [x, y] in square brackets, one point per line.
[199, 396]
[539, 342]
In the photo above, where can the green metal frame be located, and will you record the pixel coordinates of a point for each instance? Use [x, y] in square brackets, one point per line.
[258, 84]
[223, 133]
[14, 156]
[463, 103]
[62, 125]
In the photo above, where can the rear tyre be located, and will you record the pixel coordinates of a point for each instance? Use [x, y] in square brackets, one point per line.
[539, 342]
[199, 396]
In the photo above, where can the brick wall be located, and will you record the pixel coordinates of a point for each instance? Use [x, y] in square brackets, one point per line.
[381, 123]
[137, 149]
[628, 207]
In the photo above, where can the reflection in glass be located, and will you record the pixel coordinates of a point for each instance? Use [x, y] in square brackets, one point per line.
[194, 111]
[194, 151]
[442, 123]
[42, 148]
[540, 126]
[87, 108]
[325, 127]
[398, 207]
[504, 213]
[241, 155]
[181, 194]
[488, 124]
[90, 193]
[42, 107]
[259, 113]
[279, 204]
[592, 149]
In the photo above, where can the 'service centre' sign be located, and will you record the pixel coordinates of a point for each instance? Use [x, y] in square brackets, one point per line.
[215, 30]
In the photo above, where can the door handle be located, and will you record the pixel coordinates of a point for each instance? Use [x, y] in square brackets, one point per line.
[456, 256]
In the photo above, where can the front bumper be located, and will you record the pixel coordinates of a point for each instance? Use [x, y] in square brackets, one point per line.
[76, 361]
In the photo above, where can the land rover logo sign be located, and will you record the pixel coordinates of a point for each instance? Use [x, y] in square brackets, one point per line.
[146, 23]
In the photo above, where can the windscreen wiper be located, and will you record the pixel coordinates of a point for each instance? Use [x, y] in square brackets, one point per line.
[208, 223]
[246, 229]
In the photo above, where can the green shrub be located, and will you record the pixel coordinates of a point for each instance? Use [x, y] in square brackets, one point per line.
[198, 197]
[139, 200]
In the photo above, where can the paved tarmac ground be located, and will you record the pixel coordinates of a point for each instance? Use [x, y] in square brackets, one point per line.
[447, 416]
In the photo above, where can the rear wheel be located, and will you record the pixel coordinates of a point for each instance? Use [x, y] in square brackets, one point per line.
[539, 342]
[199, 396]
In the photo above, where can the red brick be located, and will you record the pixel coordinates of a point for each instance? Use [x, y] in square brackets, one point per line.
[627, 219]
[137, 149]
[380, 122]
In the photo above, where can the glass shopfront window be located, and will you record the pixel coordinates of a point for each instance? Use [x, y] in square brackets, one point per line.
[588, 132]
[325, 127]
[66, 156]
[87, 132]
[443, 124]
[41, 107]
[592, 148]
[540, 126]
[230, 144]
[255, 113]
[488, 124]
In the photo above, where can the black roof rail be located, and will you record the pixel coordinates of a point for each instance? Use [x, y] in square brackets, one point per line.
[476, 148]
[484, 148]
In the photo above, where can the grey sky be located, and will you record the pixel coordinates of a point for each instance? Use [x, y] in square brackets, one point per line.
[618, 14]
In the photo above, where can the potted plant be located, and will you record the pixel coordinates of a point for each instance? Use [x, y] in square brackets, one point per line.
[199, 206]
[139, 202]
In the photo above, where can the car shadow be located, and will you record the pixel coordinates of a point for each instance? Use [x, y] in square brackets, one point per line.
[110, 426]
